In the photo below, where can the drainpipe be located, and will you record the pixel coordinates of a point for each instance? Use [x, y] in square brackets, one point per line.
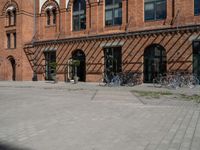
[33, 40]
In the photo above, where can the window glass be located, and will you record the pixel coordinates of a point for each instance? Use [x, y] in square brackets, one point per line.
[79, 15]
[76, 6]
[109, 2]
[48, 17]
[118, 16]
[196, 7]
[82, 4]
[83, 21]
[15, 40]
[113, 12]
[117, 1]
[160, 10]
[76, 23]
[8, 40]
[149, 11]
[155, 9]
[54, 16]
[118, 13]
[109, 15]
[14, 15]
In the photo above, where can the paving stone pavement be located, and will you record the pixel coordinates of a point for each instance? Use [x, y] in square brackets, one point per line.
[46, 116]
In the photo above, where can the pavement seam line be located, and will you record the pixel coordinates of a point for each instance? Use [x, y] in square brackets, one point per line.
[198, 118]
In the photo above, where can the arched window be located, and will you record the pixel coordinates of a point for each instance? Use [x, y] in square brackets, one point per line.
[54, 16]
[11, 16]
[14, 16]
[79, 15]
[51, 12]
[48, 16]
[113, 12]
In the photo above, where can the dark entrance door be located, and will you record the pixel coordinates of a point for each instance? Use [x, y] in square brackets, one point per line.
[112, 60]
[154, 62]
[50, 62]
[13, 64]
[81, 71]
[196, 58]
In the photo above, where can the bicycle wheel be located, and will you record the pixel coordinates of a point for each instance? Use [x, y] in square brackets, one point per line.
[193, 82]
[173, 84]
[102, 83]
[115, 81]
[157, 83]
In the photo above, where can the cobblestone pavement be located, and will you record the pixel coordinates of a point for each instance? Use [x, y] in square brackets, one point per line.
[64, 116]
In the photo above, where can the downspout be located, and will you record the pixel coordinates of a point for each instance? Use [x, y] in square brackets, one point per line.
[34, 30]
[33, 42]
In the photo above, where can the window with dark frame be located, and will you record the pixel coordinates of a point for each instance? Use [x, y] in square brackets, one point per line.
[8, 40]
[113, 12]
[14, 17]
[11, 17]
[196, 7]
[15, 40]
[54, 16]
[48, 15]
[79, 15]
[155, 9]
[11, 40]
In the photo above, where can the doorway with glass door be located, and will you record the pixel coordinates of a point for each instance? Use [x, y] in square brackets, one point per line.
[155, 62]
[50, 64]
[112, 61]
[196, 59]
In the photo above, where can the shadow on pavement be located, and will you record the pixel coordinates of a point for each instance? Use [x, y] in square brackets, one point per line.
[7, 146]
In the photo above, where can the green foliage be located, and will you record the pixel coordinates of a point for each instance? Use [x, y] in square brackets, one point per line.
[150, 94]
[53, 65]
[75, 62]
[193, 97]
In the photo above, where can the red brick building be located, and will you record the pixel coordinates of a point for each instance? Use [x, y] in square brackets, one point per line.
[146, 36]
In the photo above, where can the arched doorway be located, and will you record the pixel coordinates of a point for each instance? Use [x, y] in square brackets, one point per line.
[155, 62]
[13, 68]
[81, 68]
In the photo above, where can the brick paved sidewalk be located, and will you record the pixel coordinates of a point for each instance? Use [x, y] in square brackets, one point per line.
[63, 116]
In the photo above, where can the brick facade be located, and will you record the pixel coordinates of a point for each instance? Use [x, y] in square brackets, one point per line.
[24, 32]
[175, 34]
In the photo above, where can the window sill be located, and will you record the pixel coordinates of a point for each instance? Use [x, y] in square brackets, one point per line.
[81, 30]
[9, 26]
[155, 20]
[114, 27]
[49, 26]
[11, 48]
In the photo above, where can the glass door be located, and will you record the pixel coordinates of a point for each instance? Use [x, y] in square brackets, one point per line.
[112, 60]
[50, 64]
[196, 58]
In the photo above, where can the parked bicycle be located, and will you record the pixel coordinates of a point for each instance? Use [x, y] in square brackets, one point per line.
[176, 80]
[110, 80]
[121, 79]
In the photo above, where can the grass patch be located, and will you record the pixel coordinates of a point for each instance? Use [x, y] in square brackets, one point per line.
[193, 97]
[149, 94]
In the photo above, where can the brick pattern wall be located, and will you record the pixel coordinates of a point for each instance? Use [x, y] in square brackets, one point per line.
[24, 34]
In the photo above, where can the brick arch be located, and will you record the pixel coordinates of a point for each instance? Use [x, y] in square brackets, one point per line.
[155, 62]
[50, 3]
[11, 68]
[8, 4]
